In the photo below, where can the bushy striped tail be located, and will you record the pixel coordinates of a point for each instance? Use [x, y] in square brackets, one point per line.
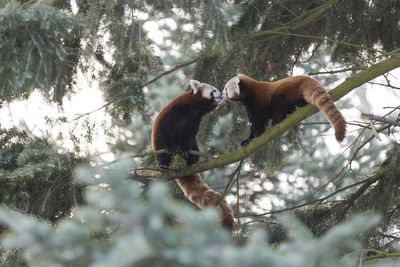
[200, 194]
[317, 95]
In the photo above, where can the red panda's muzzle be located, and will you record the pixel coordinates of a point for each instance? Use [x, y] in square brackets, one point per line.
[218, 98]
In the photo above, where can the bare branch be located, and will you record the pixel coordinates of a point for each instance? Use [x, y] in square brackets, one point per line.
[231, 182]
[177, 67]
[269, 32]
[349, 201]
[300, 21]
[335, 71]
[45, 2]
[381, 119]
[373, 128]
[387, 85]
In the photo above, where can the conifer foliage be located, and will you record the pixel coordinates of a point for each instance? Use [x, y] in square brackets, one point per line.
[35, 178]
[296, 203]
[39, 50]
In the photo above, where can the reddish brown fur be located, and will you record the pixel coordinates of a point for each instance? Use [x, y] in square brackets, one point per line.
[203, 196]
[187, 98]
[185, 120]
[293, 88]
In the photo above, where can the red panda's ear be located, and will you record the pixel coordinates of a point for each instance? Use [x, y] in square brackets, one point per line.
[232, 88]
[195, 85]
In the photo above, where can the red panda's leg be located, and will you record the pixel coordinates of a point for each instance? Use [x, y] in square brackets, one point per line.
[192, 159]
[251, 115]
[281, 107]
[163, 160]
[257, 128]
[258, 116]
[245, 142]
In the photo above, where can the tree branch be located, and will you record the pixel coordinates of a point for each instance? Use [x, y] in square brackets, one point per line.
[335, 71]
[300, 114]
[377, 118]
[177, 67]
[387, 85]
[349, 201]
[269, 32]
[300, 21]
[45, 2]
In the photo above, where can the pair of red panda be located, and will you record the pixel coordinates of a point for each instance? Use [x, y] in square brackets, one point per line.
[176, 126]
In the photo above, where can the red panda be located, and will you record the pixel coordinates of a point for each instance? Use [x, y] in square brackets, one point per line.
[175, 130]
[265, 101]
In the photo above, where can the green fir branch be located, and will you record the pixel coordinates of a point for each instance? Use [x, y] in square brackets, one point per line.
[269, 32]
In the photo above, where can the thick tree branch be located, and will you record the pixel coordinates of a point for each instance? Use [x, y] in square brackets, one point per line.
[300, 114]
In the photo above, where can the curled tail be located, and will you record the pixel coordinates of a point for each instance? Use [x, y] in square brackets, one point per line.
[200, 194]
[315, 94]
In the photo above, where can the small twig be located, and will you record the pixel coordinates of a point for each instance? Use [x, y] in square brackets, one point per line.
[45, 2]
[254, 221]
[387, 85]
[272, 32]
[140, 178]
[380, 254]
[368, 181]
[335, 71]
[184, 64]
[77, 117]
[372, 126]
[237, 195]
[381, 119]
[231, 182]
[374, 130]
[349, 202]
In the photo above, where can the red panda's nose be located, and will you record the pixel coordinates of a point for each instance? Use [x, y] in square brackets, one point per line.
[217, 96]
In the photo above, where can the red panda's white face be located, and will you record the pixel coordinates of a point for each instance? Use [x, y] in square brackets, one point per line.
[206, 91]
[231, 90]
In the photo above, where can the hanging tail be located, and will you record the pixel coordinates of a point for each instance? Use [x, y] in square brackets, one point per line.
[200, 194]
[315, 93]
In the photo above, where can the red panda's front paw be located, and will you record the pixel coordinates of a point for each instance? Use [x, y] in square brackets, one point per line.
[245, 142]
